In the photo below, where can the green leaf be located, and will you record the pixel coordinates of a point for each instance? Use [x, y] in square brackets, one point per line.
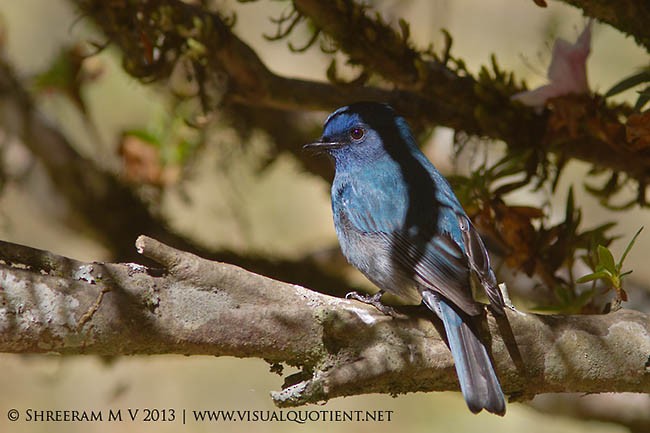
[629, 82]
[606, 259]
[570, 205]
[625, 273]
[644, 97]
[594, 276]
[331, 73]
[143, 135]
[197, 49]
[405, 29]
[627, 249]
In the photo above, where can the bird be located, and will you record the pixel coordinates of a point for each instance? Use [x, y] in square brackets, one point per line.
[399, 222]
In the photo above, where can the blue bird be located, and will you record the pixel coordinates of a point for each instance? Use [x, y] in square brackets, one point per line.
[399, 222]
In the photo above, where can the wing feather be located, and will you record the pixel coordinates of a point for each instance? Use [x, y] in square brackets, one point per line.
[439, 260]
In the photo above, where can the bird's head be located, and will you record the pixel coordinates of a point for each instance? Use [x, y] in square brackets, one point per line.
[362, 132]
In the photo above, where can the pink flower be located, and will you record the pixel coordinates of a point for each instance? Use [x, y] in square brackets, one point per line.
[567, 71]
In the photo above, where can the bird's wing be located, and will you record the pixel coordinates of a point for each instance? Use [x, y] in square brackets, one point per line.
[463, 233]
[479, 262]
[433, 259]
[442, 266]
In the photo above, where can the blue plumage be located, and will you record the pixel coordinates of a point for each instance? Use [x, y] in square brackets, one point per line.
[399, 222]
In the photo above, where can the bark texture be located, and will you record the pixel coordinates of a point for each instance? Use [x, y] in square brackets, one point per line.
[195, 306]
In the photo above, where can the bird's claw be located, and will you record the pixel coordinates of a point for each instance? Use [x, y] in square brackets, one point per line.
[375, 301]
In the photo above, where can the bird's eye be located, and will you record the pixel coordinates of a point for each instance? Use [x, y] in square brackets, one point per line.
[357, 133]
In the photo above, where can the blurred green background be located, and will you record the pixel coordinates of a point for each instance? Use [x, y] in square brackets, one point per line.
[282, 211]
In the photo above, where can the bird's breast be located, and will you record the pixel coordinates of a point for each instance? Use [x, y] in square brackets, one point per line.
[365, 221]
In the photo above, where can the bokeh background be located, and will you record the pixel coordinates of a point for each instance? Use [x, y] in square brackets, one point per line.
[281, 211]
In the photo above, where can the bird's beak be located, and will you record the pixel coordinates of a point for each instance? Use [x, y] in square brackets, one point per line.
[323, 145]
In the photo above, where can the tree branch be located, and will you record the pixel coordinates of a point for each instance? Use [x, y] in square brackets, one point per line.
[114, 213]
[629, 16]
[482, 105]
[429, 91]
[625, 409]
[53, 304]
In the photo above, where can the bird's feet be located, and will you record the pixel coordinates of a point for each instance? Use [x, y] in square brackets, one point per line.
[375, 301]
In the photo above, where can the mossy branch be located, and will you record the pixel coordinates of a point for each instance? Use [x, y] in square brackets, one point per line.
[430, 89]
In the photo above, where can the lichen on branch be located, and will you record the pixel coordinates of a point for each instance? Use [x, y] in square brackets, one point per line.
[341, 347]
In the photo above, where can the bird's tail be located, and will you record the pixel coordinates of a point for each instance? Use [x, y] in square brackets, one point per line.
[478, 381]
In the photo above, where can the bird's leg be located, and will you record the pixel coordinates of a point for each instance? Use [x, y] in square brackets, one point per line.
[375, 301]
